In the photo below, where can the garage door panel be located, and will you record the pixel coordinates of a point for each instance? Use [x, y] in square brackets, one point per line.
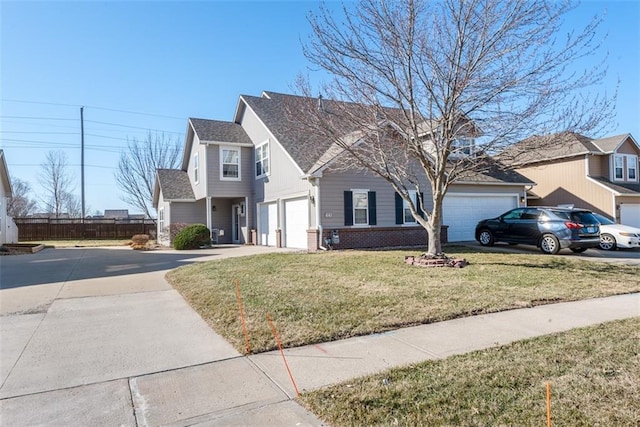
[462, 212]
[630, 214]
[296, 223]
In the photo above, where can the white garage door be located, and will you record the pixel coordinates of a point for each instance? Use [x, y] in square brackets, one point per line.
[296, 223]
[462, 212]
[268, 224]
[630, 214]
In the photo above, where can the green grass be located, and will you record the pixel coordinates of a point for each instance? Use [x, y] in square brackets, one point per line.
[594, 375]
[331, 295]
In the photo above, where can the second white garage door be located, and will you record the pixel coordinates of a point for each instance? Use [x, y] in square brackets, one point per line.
[462, 212]
[630, 214]
[296, 223]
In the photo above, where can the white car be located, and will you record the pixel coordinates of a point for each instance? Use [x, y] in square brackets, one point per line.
[614, 235]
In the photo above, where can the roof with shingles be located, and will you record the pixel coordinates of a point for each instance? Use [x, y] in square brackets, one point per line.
[175, 185]
[623, 188]
[283, 115]
[563, 145]
[219, 131]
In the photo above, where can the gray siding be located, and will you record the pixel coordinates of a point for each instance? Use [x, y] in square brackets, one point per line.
[285, 178]
[199, 188]
[223, 188]
[188, 213]
[333, 186]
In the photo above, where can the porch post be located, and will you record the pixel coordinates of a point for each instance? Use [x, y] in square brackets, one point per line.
[208, 207]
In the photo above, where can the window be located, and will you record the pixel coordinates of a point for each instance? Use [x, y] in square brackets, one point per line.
[262, 159]
[403, 213]
[359, 207]
[632, 168]
[196, 171]
[618, 162]
[229, 163]
[161, 219]
[463, 146]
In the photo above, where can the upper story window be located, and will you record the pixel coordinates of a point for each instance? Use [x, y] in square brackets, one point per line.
[230, 163]
[632, 168]
[463, 147]
[262, 159]
[618, 168]
[196, 168]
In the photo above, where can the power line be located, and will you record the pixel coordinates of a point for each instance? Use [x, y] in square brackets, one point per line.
[131, 127]
[40, 133]
[35, 118]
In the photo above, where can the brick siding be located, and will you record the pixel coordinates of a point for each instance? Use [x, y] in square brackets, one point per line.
[354, 238]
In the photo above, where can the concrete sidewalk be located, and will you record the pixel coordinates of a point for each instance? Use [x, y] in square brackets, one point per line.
[109, 342]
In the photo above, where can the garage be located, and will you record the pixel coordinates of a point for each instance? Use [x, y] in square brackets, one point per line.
[296, 223]
[461, 212]
[630, 214]
[268, 224]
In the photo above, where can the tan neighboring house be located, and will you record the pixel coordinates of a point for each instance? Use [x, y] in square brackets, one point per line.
[8, 229]
[597, 174]
[263, 178]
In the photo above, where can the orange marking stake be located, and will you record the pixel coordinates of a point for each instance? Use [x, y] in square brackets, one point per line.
[244, 325]
[275, 334]
[548, 404]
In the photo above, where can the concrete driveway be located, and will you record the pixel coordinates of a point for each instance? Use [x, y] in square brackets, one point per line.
[83, 330]
[622, 256]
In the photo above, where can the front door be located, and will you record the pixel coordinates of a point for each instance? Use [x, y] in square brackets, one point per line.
[235, 223]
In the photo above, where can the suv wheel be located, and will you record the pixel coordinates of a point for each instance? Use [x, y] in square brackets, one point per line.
[607, 242]
[549, 244]
[486, 238]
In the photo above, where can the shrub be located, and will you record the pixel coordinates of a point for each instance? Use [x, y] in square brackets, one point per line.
[139, 241]
[192, 237]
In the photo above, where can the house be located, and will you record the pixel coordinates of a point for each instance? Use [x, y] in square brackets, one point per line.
[264, 178]
[8, 229]
[597, 174]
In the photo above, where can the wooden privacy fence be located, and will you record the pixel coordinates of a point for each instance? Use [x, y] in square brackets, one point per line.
[33, 229]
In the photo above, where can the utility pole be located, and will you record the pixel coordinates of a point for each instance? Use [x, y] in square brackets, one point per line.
[82, 159]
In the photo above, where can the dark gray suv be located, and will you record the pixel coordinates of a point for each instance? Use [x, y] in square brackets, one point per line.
[549, 228]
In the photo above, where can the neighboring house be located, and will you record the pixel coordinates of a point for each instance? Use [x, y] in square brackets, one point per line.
[116, 213]
[264, 179]
[8, 229]
[598, 174]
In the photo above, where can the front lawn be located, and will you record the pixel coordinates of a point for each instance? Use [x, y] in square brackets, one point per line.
[593, 373]
[326, 296]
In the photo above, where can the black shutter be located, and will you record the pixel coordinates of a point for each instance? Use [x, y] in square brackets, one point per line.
[348, 208]
[372, 208]
[418, 205]
[399, 209]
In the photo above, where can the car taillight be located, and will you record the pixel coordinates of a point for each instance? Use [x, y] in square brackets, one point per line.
[573, 225]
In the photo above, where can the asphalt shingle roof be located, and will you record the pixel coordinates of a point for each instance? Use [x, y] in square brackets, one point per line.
[622, 188]
[219, 131]
[175, 185]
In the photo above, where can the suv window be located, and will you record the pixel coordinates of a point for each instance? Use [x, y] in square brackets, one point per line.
[514, 214]
[530, 213]
[583, 218]
[562, 214]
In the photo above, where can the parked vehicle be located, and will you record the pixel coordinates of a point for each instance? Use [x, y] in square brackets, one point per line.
[548, 228]
[614, 235]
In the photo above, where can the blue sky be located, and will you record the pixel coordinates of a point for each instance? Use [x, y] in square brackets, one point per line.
[139, 66]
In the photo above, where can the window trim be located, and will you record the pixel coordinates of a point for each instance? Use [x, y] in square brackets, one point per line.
[263, 161]
[632, 164]
[196, 168]
[221, 151]
[616, 157]
[161, 219]
[353, 208]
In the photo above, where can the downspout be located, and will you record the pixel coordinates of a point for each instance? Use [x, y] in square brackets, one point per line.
[318, 217]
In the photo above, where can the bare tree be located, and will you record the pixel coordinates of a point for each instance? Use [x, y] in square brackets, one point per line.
[56, 181]
[72, 205]
[20, 204]
[137, 168]
[443, 85]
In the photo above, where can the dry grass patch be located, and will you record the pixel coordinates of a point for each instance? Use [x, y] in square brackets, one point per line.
[593, 373]
[326, 296]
